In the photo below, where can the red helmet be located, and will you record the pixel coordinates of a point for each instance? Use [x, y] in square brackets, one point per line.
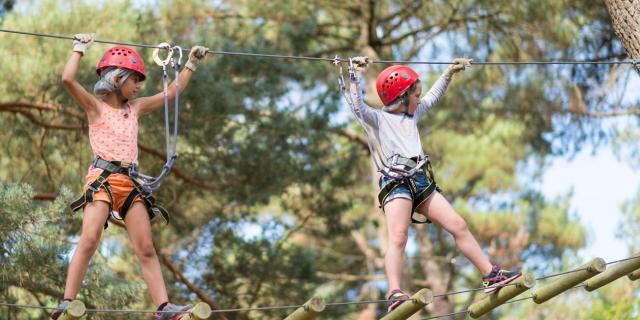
[394, 81]
[122, 57]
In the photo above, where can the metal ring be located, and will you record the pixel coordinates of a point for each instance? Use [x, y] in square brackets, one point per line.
[156, 56]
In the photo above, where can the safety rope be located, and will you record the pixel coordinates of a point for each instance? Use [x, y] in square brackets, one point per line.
[279, 56]
[25, 306]
[154, 182]
[353, 97]
[150, 183]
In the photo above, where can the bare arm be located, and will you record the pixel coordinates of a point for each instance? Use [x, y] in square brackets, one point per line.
[85, 99]
[148, 104]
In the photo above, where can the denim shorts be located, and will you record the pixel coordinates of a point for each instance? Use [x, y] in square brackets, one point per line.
[402, 191]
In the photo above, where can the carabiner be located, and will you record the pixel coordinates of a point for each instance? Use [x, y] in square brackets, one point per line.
[338, 63]
[179, 63]
[156, 54]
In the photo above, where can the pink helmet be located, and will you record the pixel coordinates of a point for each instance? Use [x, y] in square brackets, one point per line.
[122, 57]
[394, 81]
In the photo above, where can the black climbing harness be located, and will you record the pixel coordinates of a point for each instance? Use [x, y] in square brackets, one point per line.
[144, 185]
[417, 196]
[108, 168]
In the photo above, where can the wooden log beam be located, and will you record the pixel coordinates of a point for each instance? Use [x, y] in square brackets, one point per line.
[569, 280]
[201, 311]
[74, 311]
[309, 310]
[619, 270]
[407, 309]
[496, 299]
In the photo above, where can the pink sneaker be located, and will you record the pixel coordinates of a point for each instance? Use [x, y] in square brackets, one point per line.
[396, 298]
[173, 312]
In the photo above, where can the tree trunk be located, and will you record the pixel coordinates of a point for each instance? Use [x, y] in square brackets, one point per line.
[625, 17]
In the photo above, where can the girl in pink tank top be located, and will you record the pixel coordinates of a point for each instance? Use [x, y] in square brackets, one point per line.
[113, 134]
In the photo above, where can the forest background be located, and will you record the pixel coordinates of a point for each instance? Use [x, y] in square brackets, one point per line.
[273, 193]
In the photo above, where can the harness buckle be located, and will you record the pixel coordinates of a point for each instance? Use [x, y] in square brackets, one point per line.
[100, 180]
[126, 164]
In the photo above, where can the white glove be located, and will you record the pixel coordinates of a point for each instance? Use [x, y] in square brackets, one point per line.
[196, 56]
[82, 42]
[360, 63]
[458, 65]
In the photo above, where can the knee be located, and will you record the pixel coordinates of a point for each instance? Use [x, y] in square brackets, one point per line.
[146, 251]
[88, 244]
[398, 238]
[459, 227]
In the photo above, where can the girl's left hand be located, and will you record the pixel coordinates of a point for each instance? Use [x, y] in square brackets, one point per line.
[360, 63]
[196, 56]
[458, 65]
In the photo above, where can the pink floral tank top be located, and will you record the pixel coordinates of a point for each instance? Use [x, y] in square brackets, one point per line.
[114, 137]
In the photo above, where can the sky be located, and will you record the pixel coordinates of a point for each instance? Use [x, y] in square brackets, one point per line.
[601, 183]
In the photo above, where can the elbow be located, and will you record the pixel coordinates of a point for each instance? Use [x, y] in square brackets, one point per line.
[67, 80]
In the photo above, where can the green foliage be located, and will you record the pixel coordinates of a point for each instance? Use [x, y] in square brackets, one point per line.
[267, 145]
[629, 227]
[34, 254]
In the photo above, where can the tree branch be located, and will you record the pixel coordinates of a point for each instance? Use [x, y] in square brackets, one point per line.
[442, 26]
[351, 136]
[361, 241]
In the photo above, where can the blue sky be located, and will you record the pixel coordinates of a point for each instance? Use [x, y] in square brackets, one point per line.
[601, 183]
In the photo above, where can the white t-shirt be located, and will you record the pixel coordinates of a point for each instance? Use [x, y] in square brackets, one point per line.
[397, 133]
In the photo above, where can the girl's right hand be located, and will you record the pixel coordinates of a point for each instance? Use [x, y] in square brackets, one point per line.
[196, 55]
[82, 42]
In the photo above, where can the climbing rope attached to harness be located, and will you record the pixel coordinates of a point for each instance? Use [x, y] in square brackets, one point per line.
[150, 183]
[399, 169]
[392, 168]
[349, 94]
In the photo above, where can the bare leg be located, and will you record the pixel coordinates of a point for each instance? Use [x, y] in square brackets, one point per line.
[94, 215]
[139, 229]
[438, 210]
[398, 216]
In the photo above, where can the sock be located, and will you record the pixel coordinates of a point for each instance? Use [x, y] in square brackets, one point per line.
[162, 305]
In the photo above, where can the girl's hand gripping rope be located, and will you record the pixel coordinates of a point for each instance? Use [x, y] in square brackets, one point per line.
[359, 64]
[458, 65]
[196, 56]
[82, 42]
